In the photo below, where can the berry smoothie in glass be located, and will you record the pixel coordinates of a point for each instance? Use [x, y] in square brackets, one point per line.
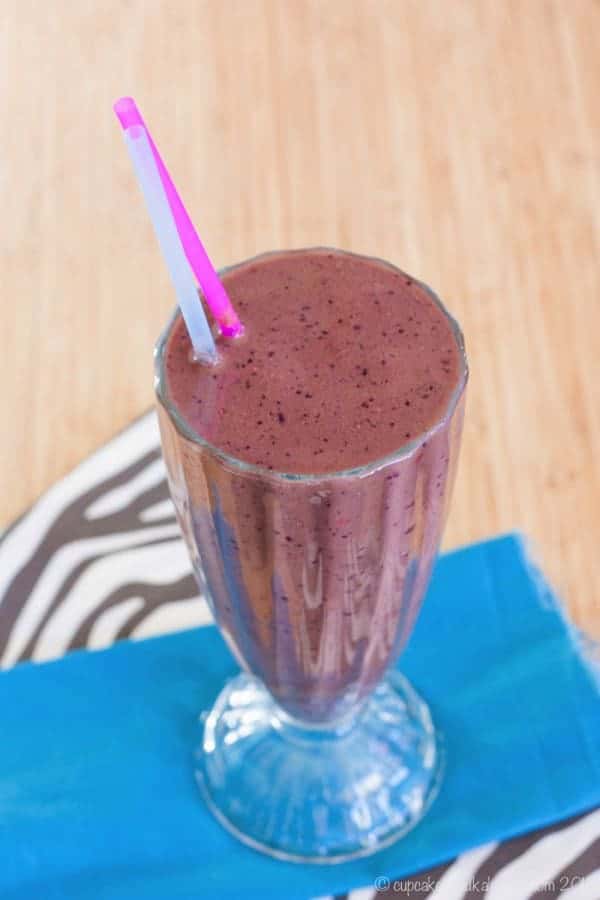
[311, 469]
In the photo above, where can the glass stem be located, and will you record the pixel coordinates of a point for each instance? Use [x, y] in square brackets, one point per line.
[294, 729]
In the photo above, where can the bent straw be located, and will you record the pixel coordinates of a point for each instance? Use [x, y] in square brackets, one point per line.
[214, 293]
[148, 176]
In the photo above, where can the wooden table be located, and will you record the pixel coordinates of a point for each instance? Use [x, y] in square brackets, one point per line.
[458, 139]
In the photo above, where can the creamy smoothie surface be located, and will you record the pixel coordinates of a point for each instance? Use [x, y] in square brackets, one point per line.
[344, 359]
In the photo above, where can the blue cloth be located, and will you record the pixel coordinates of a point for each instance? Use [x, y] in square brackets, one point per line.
[97, 795]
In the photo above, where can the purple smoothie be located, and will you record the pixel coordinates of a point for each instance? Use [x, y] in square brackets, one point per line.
[316, 576]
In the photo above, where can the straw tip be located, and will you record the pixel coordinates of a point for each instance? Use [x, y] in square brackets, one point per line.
[231, 329]
[127, 112]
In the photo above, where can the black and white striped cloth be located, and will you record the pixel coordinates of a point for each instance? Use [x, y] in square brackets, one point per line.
[98, 558]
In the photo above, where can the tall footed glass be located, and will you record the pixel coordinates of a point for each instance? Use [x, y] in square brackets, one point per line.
[319, 751]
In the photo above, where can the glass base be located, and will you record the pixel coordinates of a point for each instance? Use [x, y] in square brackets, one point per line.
[320, 795]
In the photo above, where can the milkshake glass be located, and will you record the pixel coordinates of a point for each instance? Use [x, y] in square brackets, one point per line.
[319, 750]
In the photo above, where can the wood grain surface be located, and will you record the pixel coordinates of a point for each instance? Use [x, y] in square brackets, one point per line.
[458, 139]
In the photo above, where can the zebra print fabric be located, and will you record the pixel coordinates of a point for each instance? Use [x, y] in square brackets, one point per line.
[98, 558]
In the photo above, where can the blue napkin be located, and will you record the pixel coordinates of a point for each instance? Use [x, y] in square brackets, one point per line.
[97, 794]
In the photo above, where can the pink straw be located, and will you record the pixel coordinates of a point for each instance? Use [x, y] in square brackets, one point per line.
[212, 289]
